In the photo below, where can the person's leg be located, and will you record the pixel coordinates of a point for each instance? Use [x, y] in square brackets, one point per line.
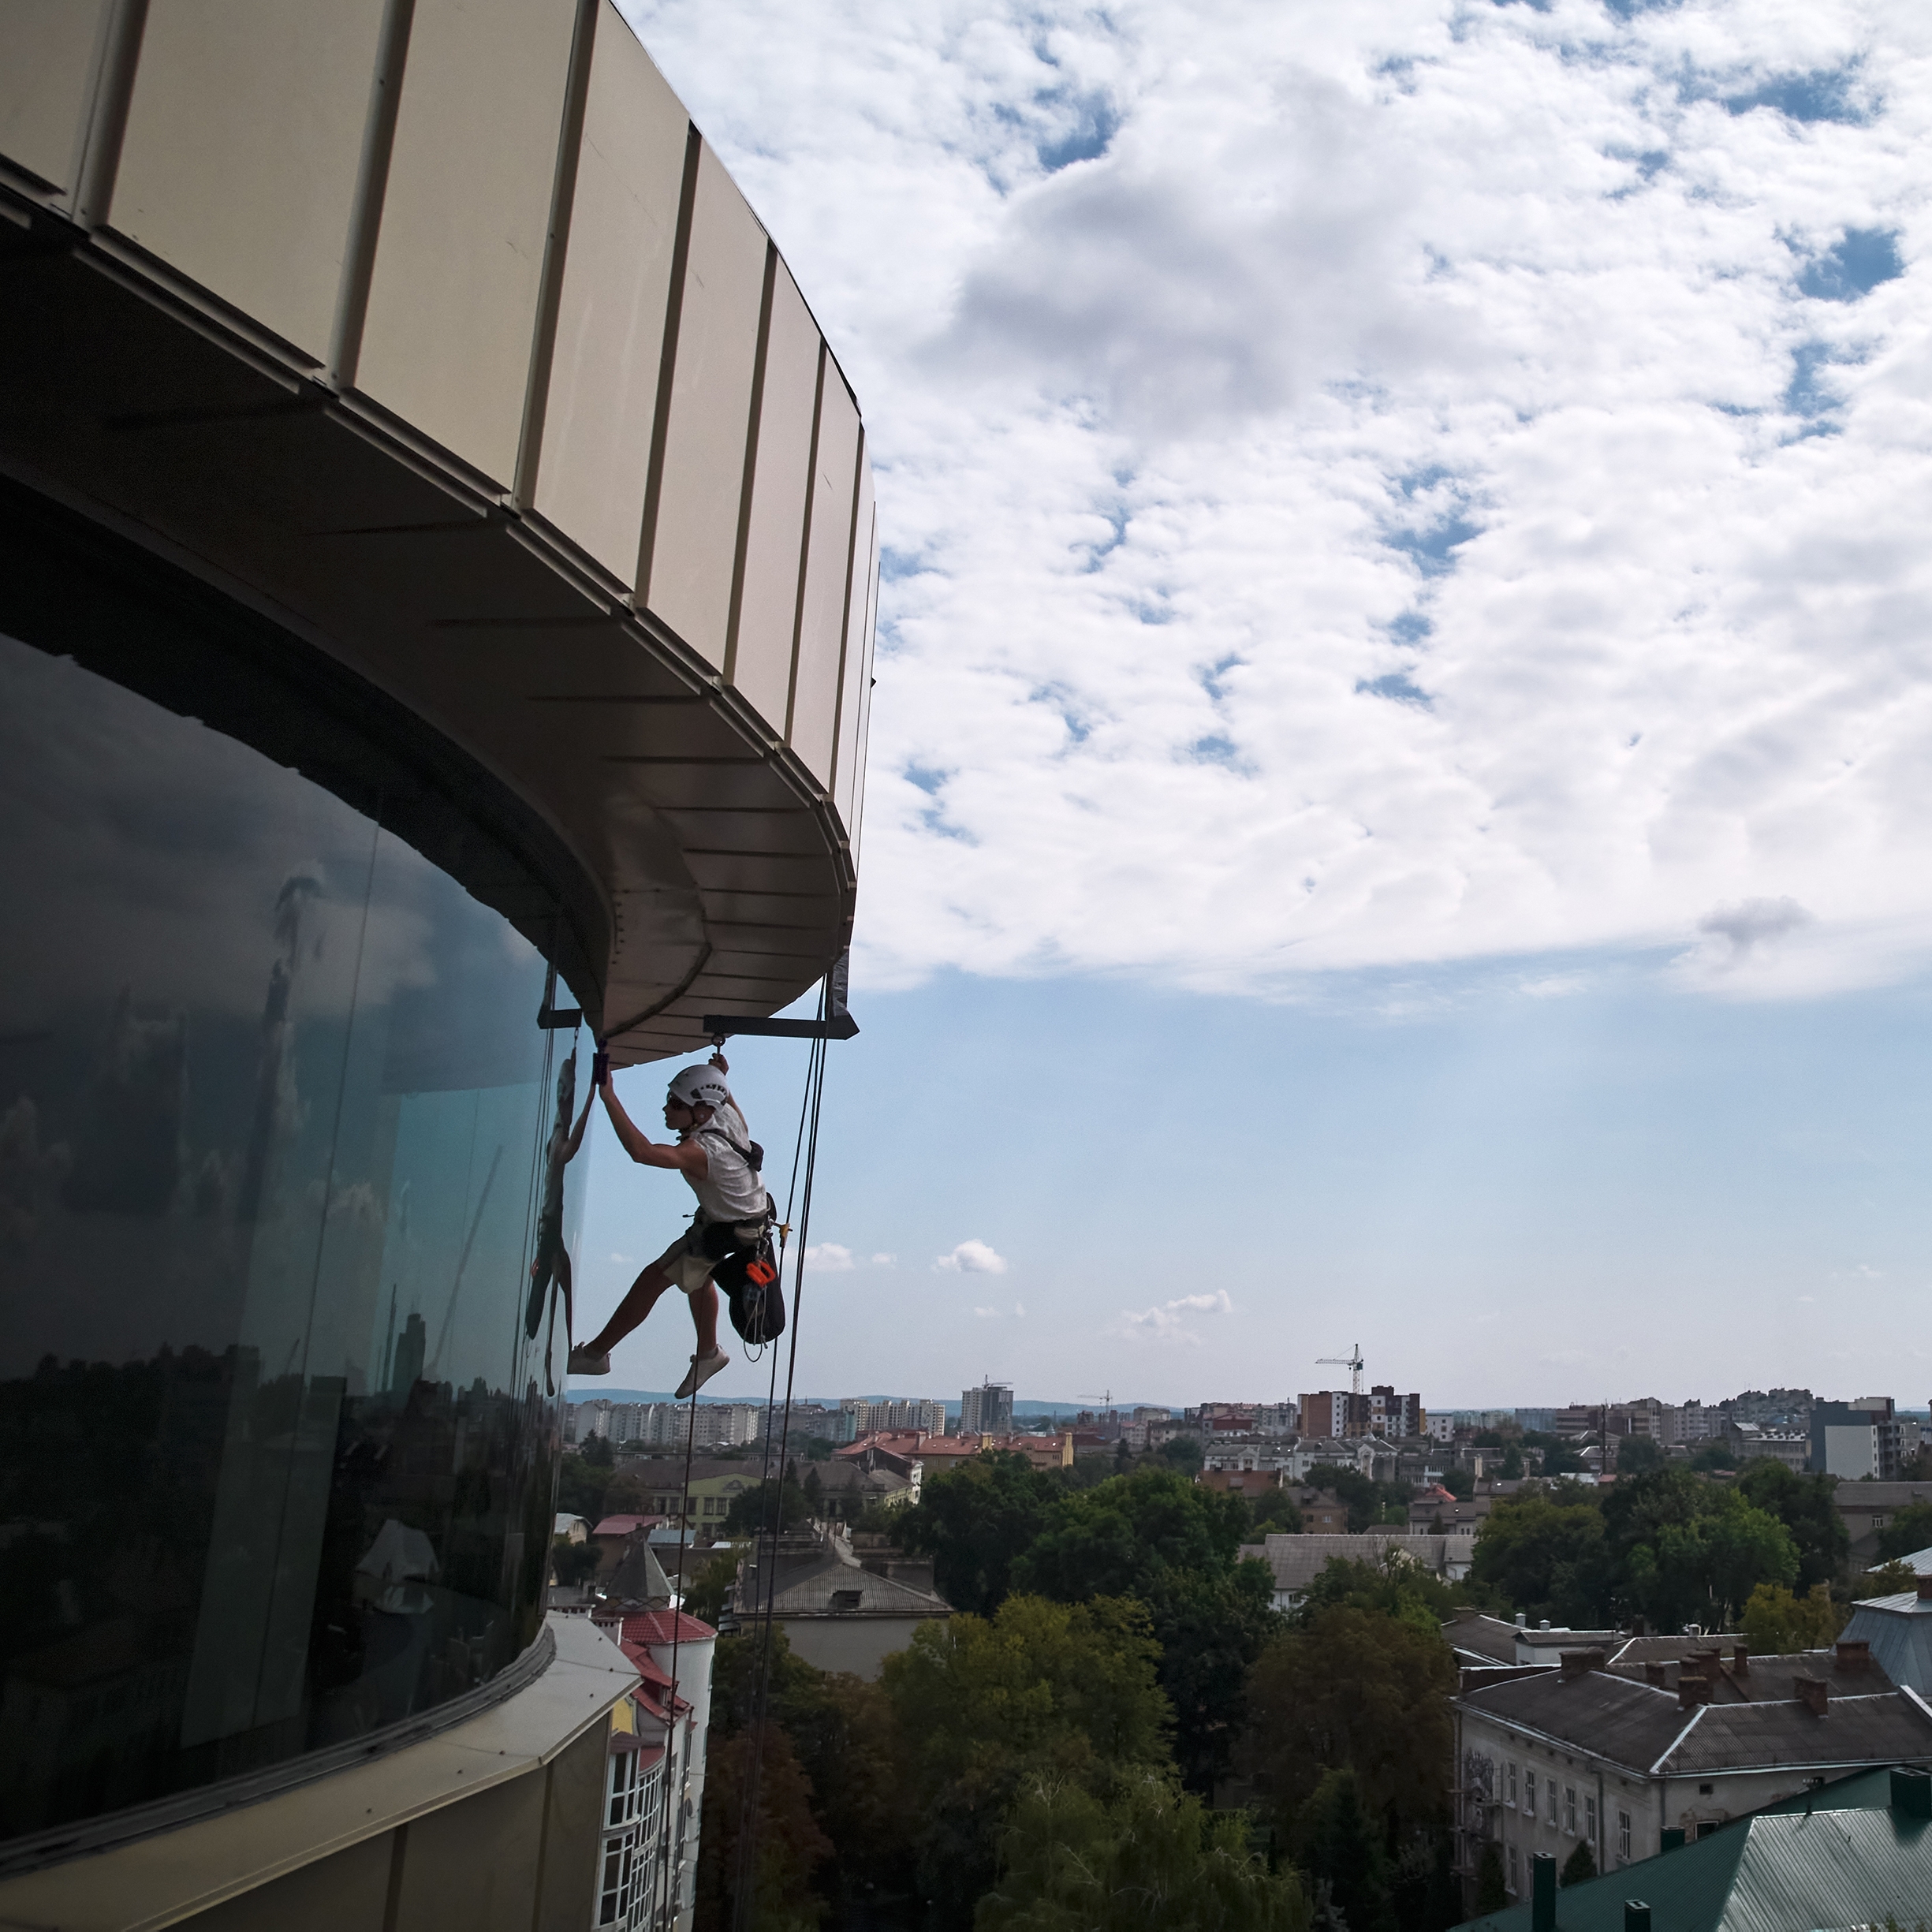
[704, 1318]
[642, 1298]
[563, 1281]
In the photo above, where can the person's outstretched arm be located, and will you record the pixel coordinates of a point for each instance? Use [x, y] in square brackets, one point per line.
[583, 1120]
[683, 1157]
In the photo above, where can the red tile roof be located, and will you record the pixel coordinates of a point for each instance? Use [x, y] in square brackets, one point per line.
[662, 1627]
[623, 1525]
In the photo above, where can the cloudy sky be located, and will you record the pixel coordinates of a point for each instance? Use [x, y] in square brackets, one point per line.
[1400, 764]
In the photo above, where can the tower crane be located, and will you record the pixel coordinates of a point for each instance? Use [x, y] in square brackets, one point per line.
[1352, 1363]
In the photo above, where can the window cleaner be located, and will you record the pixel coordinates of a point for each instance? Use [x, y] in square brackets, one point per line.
[729, 1235]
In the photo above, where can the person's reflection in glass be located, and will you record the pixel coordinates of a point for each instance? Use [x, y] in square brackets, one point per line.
[552, 1265]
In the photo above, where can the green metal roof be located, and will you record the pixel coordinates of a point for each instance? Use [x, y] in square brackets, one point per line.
[1848, 1860]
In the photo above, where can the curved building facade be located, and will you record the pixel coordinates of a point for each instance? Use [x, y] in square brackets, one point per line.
[437, 577]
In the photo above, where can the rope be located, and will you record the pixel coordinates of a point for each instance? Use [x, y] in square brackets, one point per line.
[663, 1860]
[747, 1823]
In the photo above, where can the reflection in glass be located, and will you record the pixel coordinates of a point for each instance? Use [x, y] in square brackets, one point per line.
[278, 1459]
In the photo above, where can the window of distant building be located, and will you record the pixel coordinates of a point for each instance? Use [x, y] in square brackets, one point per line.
[1623, 1837]
[1550, 1785]
[1590, 1818]
[1512, 1783]
[1569, 1809]
[1529, 1793]
[1512, 1868]
[1878, 1519]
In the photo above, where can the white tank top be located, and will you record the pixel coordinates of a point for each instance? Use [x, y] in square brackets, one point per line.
[732, 1189]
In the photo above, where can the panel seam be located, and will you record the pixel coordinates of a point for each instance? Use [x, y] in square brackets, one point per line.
[804, 547]
[753, 427]
[667, 364]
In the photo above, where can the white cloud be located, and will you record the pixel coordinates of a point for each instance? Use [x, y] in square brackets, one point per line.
[1167, 1322]
[829, 1257]
[988, 1314]
[625, 1261]
[1441, 485]
[972, 1257]
[885, 1261]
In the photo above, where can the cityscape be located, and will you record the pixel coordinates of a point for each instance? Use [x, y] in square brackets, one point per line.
[1024, 708]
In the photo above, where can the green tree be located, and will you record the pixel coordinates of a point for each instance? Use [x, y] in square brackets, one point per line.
[1113, 1539]
[1804, 1505]
[1638, 1454]
[1182, 1452]
[1394, 1586]
[1370, 1502]
[573, 1562]
[1276, 1513]
[1340, 1841]
[974, 1522]
[789, 1845]
[1543, 1552]
[1040, 1689]
[1710, 1457]
[1153, 1857]
[1490, 1896]
[750, 1511]
[1580, 1864]
[1776, 1623]
[1357, 1690]
[1460, 1483]
[1909, 1531]
[705, 1598]
[598, 1452]
[580, 1487]
[1156, 1536]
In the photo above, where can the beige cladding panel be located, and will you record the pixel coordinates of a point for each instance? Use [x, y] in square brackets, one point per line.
[46, 72]
[243, 142]
[610, 313]
[858, 672]
[775, 538]
[452, 305]
[852, 812]
[821, 635]
[697, 540]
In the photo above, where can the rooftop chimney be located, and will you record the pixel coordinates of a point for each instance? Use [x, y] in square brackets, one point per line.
[1580, 1663]
[1815, 1694]
[1912, 1791]
[1542, 1893]
[1853, 1654]
[1740, 1658]
[1924, 1589]
[1523, 1620]
[1636, 1915]
[1693, 1686]
[1655, 1674]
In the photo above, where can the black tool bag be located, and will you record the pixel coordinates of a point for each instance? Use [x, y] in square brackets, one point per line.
[746, 1274]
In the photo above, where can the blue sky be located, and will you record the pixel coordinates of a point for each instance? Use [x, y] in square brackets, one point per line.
[1402, 755]
[1506, 1195]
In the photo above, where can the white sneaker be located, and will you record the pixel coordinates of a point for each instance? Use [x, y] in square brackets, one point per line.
[702, 1369]
[583, 1362]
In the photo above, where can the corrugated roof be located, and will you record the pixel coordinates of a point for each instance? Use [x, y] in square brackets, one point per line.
[1771, 1680]
[1780, 1870]
[1484, 1636]
[1899, 1629]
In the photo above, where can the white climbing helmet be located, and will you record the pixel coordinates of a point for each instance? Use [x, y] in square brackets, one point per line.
[701, 1087]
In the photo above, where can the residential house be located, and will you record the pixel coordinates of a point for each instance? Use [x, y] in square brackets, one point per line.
[1436, 1512]
[1609, 1759]
[673, 1655]
[1868, 1508]
[616, 1535]
[701, 1505]
[836, 1613]
[846, 1489]
[1856, 1851]
[1297, 1561]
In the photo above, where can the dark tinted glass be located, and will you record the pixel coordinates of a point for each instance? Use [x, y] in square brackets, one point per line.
[277, 1448]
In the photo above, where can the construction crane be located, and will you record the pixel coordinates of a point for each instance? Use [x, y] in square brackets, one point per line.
[1352, 1363]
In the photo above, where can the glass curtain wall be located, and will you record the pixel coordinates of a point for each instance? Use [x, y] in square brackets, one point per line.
[277, 1421]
